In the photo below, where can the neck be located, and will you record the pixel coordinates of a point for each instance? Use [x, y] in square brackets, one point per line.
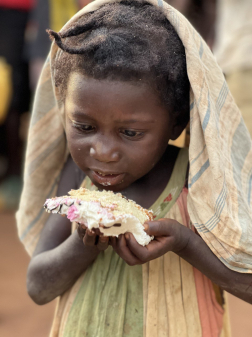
[147, 189]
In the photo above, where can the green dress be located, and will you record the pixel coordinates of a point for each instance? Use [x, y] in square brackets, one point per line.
[109, 301]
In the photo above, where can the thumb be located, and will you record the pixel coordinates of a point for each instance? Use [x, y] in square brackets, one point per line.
[162, 227]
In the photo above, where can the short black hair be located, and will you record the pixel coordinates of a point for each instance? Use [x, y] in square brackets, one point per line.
[130, 40]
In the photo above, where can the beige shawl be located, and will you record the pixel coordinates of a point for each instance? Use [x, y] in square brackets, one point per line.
[220, 154]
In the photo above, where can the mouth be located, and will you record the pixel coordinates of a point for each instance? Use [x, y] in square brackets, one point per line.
[107, 179]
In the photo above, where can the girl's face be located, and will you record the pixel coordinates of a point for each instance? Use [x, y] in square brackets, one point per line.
[116, 131]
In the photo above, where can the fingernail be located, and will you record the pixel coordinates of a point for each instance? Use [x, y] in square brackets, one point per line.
[90, 232]
[127, 236]
[146, 227]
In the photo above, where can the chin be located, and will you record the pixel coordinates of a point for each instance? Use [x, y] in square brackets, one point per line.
[114, 188]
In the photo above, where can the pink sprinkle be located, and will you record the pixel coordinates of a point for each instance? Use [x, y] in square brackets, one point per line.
[72, 213]
[112, 207]
[110, 216]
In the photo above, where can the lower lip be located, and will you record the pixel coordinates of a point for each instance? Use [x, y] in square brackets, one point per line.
[109, 180]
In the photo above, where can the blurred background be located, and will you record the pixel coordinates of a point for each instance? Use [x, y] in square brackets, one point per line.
[226, 26]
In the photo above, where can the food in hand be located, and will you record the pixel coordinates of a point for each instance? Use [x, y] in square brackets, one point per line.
[112, 213]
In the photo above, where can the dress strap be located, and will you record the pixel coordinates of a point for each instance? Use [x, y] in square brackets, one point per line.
[174, 187]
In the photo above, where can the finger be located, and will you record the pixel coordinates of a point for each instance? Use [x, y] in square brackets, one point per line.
[162, 227]
[140, 252]
[124, 252]
[96, 231]
[89, 238]
[154, 249]
[81, 231]
[103, 242]
[120, 247]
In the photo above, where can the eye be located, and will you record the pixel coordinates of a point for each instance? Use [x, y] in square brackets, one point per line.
[83, 127]
[132, 133]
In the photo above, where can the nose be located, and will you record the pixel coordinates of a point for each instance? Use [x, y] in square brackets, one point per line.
[104, 151]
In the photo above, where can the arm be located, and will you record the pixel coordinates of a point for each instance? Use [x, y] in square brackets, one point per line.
[60, 257]
[198, 254]
[172, 236]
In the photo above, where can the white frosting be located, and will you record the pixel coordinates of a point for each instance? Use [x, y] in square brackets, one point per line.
[131, 224]
[92, 215]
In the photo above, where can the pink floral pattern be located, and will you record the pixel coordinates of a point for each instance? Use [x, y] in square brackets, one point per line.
[169, 198]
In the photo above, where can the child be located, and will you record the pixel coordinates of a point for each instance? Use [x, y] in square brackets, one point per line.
[121, 91]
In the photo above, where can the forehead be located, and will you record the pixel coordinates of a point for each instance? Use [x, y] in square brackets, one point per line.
[106, 98]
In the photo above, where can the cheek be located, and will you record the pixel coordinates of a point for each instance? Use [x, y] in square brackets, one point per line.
[154, 153]
[78, 147]
[145, 155]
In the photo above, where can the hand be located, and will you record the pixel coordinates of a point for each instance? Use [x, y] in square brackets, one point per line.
[169, 235]
[92, 237]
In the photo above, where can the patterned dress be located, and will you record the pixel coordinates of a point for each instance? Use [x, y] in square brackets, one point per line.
[164, 297]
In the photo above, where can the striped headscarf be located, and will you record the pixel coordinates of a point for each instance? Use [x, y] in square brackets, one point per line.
[220, 154]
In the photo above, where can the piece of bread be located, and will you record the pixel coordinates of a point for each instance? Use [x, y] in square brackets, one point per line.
[112, 213]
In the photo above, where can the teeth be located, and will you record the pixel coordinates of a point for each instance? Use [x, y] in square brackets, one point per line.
[101, 174]
[106, 184]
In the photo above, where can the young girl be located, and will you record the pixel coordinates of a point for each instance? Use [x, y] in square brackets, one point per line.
[115, 92]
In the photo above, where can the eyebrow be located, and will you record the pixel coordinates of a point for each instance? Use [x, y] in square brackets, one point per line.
[76, 114]
[132, 121]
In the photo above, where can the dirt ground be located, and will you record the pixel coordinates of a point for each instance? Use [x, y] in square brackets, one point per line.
[20, 317]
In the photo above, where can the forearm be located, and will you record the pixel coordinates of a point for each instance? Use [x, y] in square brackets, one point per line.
[52, 272]
[198, 254]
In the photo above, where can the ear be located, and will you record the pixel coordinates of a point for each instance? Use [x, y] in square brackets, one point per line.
[177, 128]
